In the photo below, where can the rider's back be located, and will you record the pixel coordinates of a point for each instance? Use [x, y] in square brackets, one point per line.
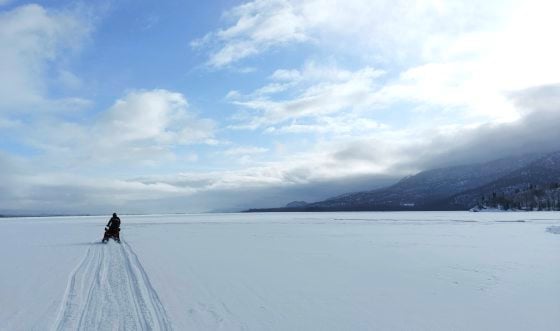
[115, 222]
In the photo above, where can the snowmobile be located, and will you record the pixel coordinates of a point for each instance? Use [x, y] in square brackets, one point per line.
[111, 233]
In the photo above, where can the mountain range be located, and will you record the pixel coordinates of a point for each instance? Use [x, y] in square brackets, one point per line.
[524, 182]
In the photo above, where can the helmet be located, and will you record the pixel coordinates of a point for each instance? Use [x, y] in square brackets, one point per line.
[114, 214]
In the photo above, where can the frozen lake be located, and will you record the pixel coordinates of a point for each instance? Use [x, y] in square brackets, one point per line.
[284, 271]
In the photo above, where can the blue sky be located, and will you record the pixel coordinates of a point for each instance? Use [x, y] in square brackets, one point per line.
[173, 106]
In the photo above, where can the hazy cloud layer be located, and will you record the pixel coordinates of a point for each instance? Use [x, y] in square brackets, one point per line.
[314, 177]
[479, 144]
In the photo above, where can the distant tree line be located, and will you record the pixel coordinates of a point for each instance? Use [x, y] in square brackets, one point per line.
[528, 197]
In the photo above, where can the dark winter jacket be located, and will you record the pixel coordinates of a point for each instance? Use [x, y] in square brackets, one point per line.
[114, 223]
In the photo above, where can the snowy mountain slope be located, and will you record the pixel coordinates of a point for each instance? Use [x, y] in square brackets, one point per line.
[537, 181]
[425, 190]
[279, 271]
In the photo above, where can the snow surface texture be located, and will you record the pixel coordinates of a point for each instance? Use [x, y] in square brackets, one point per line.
[110, 290]
[284, 271]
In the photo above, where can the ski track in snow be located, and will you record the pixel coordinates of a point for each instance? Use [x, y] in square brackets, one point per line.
[109, 290]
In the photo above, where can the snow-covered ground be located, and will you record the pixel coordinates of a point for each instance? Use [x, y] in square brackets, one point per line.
[284, 271]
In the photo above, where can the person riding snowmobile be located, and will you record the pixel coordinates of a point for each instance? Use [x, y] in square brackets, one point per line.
[113, 228]
[114, 222]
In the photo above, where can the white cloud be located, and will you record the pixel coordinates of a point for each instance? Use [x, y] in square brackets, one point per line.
[69, 80]
[32, 40]
[320, 91]
[480, 70]
[257, 26]
[160, 116]
[456, 55]
[146, 125]
[333, 125]
[245, 150]
[463, 60]
[398, 30]
[141, 128]
[286, 75]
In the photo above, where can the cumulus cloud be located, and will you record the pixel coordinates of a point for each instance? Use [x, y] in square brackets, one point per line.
[157, 116]
[143, 126]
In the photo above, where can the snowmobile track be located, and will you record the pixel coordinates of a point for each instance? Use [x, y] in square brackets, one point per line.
[110, 290]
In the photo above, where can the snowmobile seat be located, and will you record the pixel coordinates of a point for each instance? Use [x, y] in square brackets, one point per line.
[112, 233]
